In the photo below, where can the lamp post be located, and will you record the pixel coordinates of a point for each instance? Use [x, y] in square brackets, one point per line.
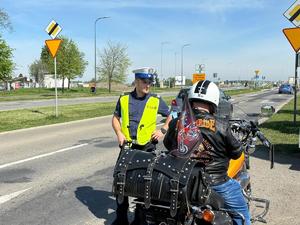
[99, 18]
[182, 47]
[161, 57]
[175, 63]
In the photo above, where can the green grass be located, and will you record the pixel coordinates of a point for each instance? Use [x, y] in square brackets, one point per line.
[25, 118]
[49, 93]
[280, 128]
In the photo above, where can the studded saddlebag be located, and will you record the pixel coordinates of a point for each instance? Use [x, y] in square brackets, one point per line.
[163, 179]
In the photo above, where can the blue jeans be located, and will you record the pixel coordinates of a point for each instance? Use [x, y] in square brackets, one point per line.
[231, 191]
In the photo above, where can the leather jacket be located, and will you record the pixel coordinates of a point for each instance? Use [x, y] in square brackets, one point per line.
[219, 146]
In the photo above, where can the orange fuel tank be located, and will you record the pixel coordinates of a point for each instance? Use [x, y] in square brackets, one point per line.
[235, 166]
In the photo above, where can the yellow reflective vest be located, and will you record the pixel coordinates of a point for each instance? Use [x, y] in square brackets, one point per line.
[147, 124]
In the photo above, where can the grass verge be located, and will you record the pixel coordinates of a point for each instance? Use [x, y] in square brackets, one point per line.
[26, 118]
[280, 128]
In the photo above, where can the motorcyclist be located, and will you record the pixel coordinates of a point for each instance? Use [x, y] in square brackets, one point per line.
[134, 120]
[218, 147]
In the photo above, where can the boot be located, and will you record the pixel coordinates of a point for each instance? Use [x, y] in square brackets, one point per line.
[121, 212]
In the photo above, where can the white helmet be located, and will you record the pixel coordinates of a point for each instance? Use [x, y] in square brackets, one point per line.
[206, 91]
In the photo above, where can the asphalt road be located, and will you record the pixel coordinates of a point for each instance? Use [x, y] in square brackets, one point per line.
[64, 101]
[62, 174]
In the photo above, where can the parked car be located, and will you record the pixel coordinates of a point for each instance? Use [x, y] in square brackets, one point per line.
[224, 110]
[286, 89]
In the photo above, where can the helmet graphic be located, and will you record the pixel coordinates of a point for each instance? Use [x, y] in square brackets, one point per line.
[206, 91]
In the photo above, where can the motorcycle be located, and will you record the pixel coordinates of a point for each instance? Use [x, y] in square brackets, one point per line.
[171, 190]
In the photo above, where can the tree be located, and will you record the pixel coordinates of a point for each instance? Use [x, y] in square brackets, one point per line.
[70, 61]
[188, 82]
[114, 63]
[6, 63]
[37, 71]
[4, 21]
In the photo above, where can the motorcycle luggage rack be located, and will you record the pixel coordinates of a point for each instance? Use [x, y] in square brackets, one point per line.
[151, 204]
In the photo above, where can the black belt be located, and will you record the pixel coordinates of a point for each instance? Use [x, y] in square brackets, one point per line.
[150, 146]
[218, 181]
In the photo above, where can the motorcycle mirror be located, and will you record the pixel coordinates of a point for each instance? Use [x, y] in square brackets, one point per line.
[267, 110]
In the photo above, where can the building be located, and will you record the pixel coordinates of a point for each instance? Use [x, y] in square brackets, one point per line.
[49, 81]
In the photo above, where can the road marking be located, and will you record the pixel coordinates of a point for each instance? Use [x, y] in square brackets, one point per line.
[41, 156]
[253, 95]
[267, 101]
[8, 197]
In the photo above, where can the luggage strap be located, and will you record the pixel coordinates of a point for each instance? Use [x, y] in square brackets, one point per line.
[121, 177]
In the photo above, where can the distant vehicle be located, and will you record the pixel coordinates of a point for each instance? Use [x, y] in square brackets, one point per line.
[224, 110]
[286, 89]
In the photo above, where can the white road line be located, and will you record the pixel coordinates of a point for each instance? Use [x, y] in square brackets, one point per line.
[267, 101]
[8, 197]
[41, 156]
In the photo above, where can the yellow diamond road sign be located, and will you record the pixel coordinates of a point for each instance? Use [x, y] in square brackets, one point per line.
[293, 13]
[53, 29]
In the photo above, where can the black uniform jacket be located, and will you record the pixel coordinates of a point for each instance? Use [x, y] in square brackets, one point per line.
[217, 148]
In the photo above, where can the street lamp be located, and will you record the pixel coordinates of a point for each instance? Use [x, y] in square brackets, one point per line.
[99, 18]
[161, 57]
[175, 63]
[182, 47]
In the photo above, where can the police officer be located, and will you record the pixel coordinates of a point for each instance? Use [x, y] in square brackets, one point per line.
[134, 120]
[217, 148]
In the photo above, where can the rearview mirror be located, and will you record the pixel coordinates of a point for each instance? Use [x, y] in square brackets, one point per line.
[267, 110]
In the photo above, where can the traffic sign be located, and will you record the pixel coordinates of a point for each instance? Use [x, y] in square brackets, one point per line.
[293, 13]
[293, 34]
[256, 72]
[198, 76]
[53, 29]
[53, 46]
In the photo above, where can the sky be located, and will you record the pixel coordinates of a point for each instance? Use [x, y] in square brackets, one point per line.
[232, 38]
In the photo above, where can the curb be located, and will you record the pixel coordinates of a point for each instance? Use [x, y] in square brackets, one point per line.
[262, 120]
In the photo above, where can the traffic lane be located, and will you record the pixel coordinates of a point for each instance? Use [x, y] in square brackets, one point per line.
[64, 101]
[44, 103]
[25, 143]
[268, 95]
[86, 200]
[252, 104]
[20, 144]
[55, 174]
[253, 95]
[79, 172]
[83, 201]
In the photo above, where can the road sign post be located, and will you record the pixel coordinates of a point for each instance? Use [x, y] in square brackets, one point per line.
[295, 91]
[292, 34]
[53, 46]
[53, 29]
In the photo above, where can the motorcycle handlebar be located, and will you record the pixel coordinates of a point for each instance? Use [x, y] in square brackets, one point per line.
[263, 139]
[268, 144]
[252, 128]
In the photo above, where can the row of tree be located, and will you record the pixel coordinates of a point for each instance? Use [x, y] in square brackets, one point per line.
[6, 53]
[70, 63]
[112, 66]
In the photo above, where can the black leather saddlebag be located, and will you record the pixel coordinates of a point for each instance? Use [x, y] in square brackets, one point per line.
[166, 179]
